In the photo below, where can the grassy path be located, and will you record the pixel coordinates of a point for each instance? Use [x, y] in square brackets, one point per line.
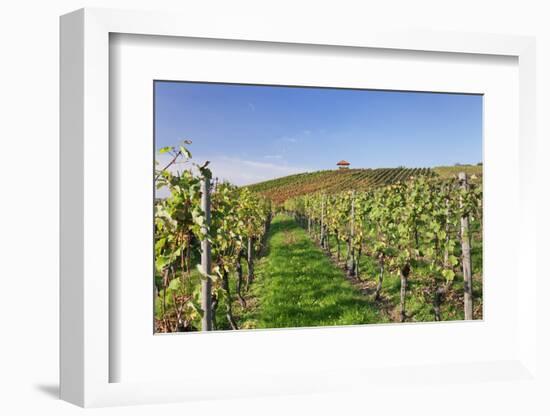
[297, 285]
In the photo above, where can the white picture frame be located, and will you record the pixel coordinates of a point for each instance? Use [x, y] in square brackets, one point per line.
[86, 355]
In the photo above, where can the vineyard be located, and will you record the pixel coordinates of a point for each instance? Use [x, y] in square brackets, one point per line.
[422, 227]
[202, 237]
[333, 247]
[334, 181]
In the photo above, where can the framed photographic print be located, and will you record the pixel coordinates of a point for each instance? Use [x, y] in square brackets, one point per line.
[270, 207]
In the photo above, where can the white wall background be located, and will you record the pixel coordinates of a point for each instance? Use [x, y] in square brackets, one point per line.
[29, 173]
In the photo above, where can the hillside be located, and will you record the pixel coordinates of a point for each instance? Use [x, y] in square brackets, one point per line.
[453, 171]
[331, 181]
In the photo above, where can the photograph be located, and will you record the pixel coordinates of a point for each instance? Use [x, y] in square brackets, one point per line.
[282, 206]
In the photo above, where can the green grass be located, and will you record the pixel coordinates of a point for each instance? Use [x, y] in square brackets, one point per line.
[298, 286]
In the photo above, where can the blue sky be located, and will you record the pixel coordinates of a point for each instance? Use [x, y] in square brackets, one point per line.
[254, 133]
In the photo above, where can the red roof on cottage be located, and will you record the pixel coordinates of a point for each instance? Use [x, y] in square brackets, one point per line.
[343, 163]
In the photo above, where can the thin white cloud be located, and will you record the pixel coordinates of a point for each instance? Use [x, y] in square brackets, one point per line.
[252, 106]
[276, 157]
[235, 170]
[302, 135]
[245, 172]
[289, 139]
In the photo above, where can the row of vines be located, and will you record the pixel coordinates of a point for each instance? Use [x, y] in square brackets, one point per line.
[193, 284]
[422, 227]
[330, 181]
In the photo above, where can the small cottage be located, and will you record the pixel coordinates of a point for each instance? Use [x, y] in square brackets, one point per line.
[343, 164]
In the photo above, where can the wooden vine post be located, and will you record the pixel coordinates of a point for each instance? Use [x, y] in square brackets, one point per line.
[446, 252]
[250, 261]
[466, 256]
[403, 291]
[322, 231]
[351, 250]
[206, 259]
